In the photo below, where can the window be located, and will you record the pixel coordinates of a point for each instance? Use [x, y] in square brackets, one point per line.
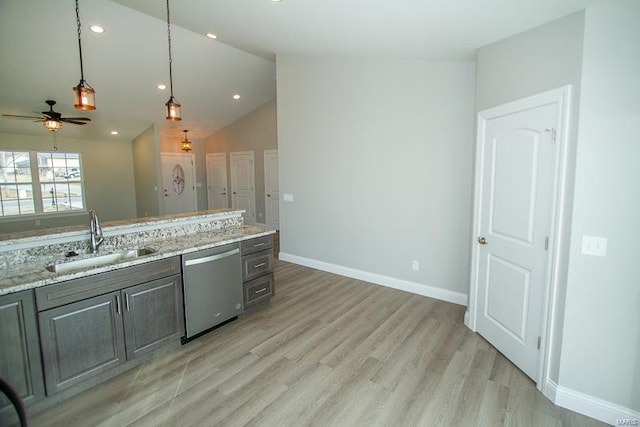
[33, 182]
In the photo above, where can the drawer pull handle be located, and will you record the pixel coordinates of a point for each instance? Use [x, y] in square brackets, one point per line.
[257, 245]
[259, 291]
[262, 264]
[117, 304]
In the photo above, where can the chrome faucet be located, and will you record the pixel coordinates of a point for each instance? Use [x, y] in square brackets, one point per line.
[96, 239]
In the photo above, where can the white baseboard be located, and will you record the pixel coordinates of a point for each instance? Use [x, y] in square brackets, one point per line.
[591, 406]
[390, 282]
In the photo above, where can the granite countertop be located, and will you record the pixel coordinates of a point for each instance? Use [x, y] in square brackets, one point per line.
[118, 227]
[34, 274]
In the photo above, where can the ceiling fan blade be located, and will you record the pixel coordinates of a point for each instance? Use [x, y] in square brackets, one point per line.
[21, 117]
[81, 119]
[75, 122]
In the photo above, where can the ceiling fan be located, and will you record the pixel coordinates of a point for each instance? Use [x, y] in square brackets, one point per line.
[52, 120]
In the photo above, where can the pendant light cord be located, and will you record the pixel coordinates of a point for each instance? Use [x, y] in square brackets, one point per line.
[170, 58]
[79, 41]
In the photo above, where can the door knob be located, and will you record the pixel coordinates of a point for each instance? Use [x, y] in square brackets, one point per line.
[268, 195]
[482, 240]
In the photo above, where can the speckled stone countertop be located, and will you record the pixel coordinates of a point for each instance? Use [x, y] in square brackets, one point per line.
[32, 273]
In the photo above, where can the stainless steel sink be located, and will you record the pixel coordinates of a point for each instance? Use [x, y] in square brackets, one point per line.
[98, 260]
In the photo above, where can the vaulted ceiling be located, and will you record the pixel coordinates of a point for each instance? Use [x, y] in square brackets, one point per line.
[38, 41]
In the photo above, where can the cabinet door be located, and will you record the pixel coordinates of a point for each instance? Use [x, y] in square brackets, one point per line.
[20, 363]
[81, 340]
[153, 315]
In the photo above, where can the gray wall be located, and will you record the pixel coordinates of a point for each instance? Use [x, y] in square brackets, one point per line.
[257, 131]
[107, 174]
[378, 157]
[596, 345]
[146, 159]
[601, 345]
[528, 63]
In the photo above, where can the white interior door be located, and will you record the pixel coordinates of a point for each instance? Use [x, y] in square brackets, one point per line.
[243, 194]
[272, 194]
[217, 180]
[178, 183]
[518, 156]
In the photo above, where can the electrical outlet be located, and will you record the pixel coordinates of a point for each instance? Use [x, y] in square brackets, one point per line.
[415, 265]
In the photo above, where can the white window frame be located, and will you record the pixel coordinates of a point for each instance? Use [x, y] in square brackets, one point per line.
[36, 188]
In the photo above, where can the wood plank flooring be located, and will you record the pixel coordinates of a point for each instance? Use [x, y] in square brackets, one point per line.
[328, 351]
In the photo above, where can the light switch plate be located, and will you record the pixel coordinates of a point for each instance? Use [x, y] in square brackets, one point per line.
[594, 245]
[287, 197]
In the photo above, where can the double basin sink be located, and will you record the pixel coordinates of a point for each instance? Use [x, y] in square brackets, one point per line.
[97, 260]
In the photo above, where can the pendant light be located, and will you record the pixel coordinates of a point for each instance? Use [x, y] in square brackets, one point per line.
[186, 144]
[173, 107]
[84, 95]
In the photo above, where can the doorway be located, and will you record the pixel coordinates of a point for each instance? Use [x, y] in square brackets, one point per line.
[272, 193]
[520, 159]
[178, 183]
[217, 180]
[243, 184]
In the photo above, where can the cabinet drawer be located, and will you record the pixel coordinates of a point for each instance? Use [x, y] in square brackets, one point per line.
[257, 264]
[86, 287]
[258, 290]
[256, 244]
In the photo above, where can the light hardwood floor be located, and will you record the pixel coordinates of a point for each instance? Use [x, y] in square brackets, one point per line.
[329, 350]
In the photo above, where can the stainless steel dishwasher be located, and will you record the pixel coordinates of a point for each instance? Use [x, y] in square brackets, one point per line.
[212, 282]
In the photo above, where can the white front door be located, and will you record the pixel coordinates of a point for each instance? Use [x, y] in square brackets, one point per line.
[178, 183]
[243, 184]
[517, 159]
[272, 194]
[217, 180]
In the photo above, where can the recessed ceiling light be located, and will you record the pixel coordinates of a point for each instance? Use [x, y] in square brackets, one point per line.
[211, 36]
[162, 87]
[114, 132]
[236, 96]
[276, 1]
[97, 29]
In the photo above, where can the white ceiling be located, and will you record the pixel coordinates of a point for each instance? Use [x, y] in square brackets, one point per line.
[38, 42]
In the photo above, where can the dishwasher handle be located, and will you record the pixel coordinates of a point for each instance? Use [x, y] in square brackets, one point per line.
[211, 258]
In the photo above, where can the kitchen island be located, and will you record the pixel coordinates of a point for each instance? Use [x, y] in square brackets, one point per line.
[25, 256]
[70, 319]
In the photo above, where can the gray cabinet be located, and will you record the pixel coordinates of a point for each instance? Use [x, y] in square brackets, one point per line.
[90, 325]
[20, 363]
[257, 271]
[81, 340]
[153, 315]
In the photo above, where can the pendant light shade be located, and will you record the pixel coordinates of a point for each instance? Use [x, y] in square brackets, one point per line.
[186, 144]
[84, 95]
[173, 106]
[173, 110]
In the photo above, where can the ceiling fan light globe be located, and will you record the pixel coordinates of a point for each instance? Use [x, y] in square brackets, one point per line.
[173, 110]
[84, 97]
[52, 125]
